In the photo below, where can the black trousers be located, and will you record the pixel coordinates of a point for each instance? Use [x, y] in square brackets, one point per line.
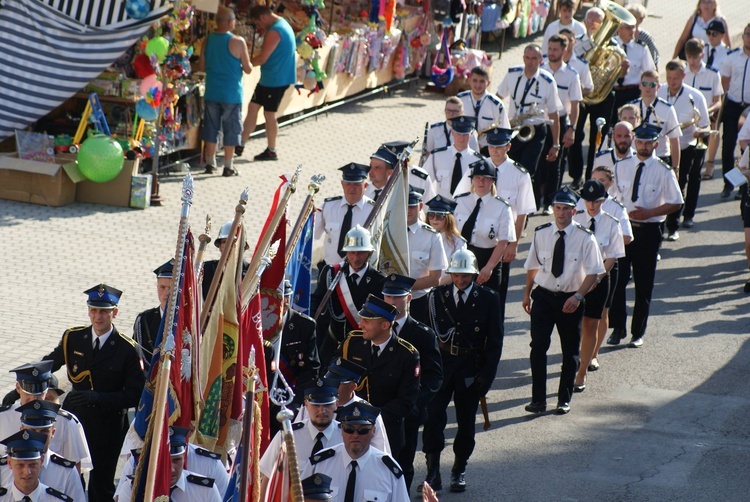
[617, 311]
[691, 163]
[729, 117]
[641, 257]
[105, 431]
[408, 451]
[419, 309]
[529, 153]
[546, 314]
[547, 177]
[456, 369]
[575, 157]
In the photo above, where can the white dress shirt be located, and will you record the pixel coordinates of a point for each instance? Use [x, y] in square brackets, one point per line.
[584, 72]
[494, 221]
[737, 68]
[707, 81]
[488, 110]
[607, 232]
[541, 89]
[658, 185]
[328, 223]
[568, 85]
[60, 474]
[685, 102]
[426, 253]
[439, 136]
[640, 60]
[577, 27]
[440, 164]
[305, 438]
[664, 116]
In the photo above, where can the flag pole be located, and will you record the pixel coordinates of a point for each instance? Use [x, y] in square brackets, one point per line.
[252, 279]
[210, 299]
[167, 348]
[371, 218]
[307, 207]
[204, 239]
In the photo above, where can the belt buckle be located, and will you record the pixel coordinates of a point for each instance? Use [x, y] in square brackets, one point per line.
[454, 350]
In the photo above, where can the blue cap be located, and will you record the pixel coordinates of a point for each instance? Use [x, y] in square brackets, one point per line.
[375, 308]
[38, 413]
[358, 412]
[165, 270]
[398, 285]
[415, 195]
[345, 371]
[33, 378]
[593, 190]
[566, 197]
[317, 487]
[463, 124]
[442, 205]
[54, 386]
[324, 391]
[483, 168]
[647, 132]
[178, 440]
[386, 155]
[498, 136]
[354, 173]
[103, 296]
[25, 445]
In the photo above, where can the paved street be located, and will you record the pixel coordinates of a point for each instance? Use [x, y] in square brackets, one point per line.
[669, 421]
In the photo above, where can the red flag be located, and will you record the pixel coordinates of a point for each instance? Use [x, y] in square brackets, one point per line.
[270, 281]
[279, 482]
[251, 331]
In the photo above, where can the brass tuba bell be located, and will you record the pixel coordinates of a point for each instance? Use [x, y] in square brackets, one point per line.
[605, 60]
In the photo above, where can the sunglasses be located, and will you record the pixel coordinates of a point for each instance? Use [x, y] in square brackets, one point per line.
[362, 431]
[649, 84]
[436, 216]
[713, 33]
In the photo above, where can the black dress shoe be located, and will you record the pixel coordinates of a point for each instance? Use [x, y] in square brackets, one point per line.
[617, 335]
[746, 289]
[536, 407]
[458, 481]
[726, 193]
[230, 172]
[563, 408]
[579, 388]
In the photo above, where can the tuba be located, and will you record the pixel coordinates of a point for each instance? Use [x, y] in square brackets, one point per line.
[605, 60]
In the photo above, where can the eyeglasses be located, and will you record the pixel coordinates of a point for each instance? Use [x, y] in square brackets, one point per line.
[649, 84]
[436, 216]
[362, 431]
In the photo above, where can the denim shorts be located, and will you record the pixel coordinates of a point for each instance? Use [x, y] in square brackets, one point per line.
[226, 117]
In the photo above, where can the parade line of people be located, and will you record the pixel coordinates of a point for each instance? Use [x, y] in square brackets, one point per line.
[386, 354]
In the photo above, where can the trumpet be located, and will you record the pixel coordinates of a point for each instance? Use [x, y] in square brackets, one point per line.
[521, 123]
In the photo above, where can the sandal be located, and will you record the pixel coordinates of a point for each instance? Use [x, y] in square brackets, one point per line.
[709, 174]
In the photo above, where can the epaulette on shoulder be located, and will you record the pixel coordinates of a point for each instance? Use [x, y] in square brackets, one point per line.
[6, 407]
[502, 200]
[520, 167]
[634, 101]
[304, 316]
[207, 453]
[4, 460]
[3, 491]
[603, 152]
[543, 226]
[461, 195]
[127, 339]
[514, 69]
[200, 480]
[732, 51]
[639, 42]
[75, 329]
[428, 228]
[614, 199]
[441, 149]
[715, 70]
[67, 415]
[369, 201]
[57, 494]
[605, 213]
[580, 211]
[57, 459]
[419, 173]
[546, 76]
[267, 343]
[666, 166]
[411, 348]
[297, 426]
[322, 455]
[575, 72]
[664, 101]
[494, 99]
[581, 227]
[584, 61]
[392, 466]
[462, 94]
[478, 155]
[437, 124]
[331, 199]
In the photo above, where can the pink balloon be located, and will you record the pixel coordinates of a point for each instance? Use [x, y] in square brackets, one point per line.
[149, 82]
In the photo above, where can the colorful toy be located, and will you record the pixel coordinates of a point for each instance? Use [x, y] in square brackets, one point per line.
[159, 47]
[138, 9]
[100, 159]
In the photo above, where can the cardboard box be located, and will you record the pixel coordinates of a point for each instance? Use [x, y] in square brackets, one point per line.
[39, 182]
[111, 193]
[140, 191]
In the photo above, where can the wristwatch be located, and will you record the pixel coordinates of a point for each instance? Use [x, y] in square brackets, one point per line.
[556, 147]
[578, 297]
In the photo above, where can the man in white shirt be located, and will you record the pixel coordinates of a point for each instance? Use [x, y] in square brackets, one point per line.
[446, 166]
[25, 457]
[661, 114]
[438, 135]
[486, 108]
[565, 9]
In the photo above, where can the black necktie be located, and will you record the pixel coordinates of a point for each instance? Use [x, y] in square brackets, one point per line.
[318, 443]
[375, 352]
[395, 328]
[710, 59]
[592, 226]
[96, 346]
[477, 107]
[354, 278]
[26, 498]
[351, 483]
[171, 491]
[461, 302]
[637, 182]
[346, 225]
[468, 228]
[558, 257]
[457, 173]
[376, 194]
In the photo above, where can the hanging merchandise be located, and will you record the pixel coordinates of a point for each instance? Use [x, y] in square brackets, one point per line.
[442, 70]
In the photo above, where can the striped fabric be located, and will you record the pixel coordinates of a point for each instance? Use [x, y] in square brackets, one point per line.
[50, 49]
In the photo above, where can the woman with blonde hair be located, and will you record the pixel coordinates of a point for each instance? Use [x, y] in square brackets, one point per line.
[696, 26]
[440, 217]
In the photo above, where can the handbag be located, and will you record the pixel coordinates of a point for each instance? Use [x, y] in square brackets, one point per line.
[681, 54]
[441, 77]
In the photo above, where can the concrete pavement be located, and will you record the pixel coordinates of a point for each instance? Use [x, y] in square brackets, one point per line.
[665, 422]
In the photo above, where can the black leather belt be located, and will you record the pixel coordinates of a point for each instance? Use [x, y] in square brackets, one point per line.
[455, 350]
[642, 224]
[555, 293]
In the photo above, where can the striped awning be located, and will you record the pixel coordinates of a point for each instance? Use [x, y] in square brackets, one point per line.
[50, 49]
